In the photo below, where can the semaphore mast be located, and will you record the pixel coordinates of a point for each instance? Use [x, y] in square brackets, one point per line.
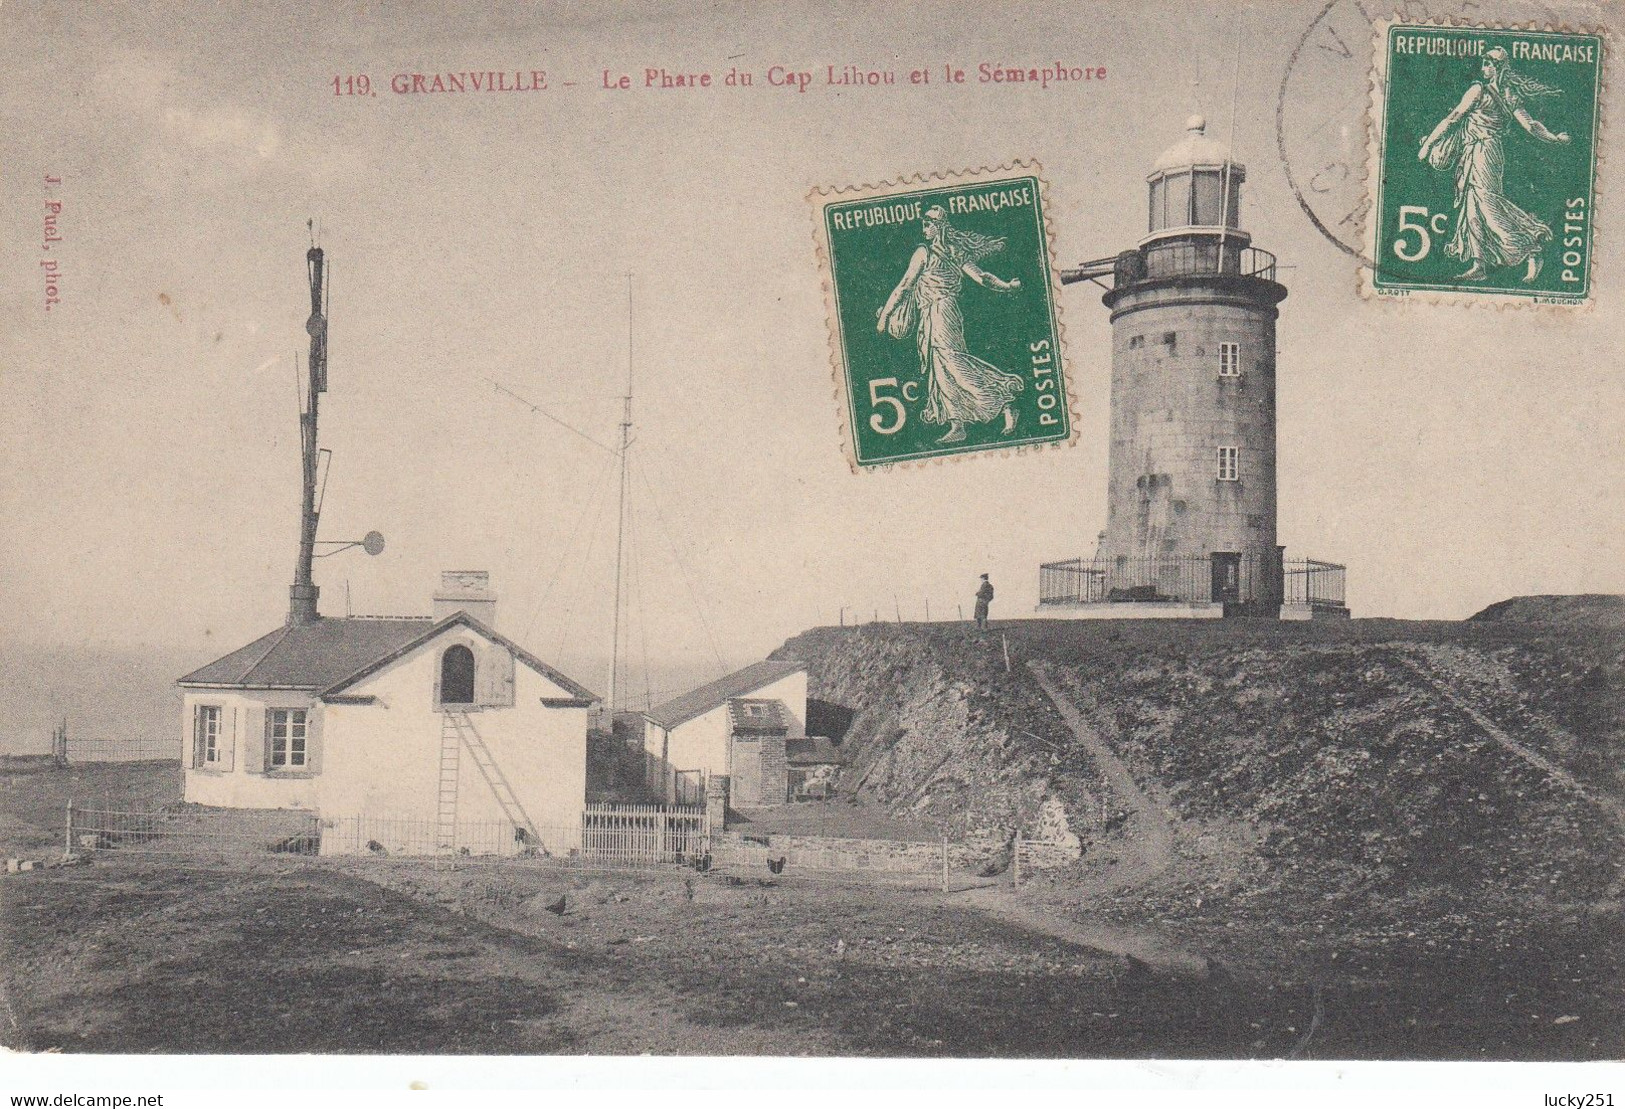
[620, 524]
[302, 595]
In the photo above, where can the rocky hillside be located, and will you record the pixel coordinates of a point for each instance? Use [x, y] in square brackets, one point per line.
[934, 725]
[1375, 761]
[1578, 610]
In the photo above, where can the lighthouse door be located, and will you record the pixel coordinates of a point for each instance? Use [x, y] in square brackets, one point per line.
[1226, 577]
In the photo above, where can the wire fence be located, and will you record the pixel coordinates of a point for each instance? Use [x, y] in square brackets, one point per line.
[64, 748]
[78, 750]
[185, 829]
[904, 610]
[603, 841]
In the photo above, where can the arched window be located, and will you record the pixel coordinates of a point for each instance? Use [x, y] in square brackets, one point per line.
[457, 676]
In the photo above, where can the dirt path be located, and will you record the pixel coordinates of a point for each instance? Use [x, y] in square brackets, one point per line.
[1540, 762]
[1147, 847]
[1145, 850]
[1000, 902]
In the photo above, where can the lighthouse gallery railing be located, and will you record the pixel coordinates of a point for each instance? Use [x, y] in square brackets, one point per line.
[1156, 261]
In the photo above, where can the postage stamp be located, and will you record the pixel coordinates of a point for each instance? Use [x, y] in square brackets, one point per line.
[1484, 163]
[943, 314]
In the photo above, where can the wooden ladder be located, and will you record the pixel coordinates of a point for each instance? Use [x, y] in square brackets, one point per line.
[450, 764]
[492, 773]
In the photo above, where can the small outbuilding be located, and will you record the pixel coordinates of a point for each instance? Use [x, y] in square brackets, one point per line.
[744, 725]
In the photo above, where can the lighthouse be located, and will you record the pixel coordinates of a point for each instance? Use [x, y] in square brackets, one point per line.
[1191, 471]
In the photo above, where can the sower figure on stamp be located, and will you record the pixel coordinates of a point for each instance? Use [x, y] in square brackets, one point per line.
[984, 597]
[1491, 231]
[960, 387]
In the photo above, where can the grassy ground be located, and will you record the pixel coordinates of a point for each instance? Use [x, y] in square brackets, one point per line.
[147, 956]
[33, 802]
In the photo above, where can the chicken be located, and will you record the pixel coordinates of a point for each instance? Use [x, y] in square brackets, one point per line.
[557, 907]
[777, 865]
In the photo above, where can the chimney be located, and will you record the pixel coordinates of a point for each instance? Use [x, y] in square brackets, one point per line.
[466, 591]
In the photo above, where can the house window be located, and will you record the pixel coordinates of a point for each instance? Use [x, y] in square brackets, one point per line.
[1229, 359]
[1229, 463]
[288, 734]
[457, 676]
[206, 735]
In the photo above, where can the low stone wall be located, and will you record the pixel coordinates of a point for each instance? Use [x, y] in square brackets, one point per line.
[1049, 854]
[835, 853]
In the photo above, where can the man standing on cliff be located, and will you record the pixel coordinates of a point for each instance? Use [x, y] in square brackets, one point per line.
[984, 597]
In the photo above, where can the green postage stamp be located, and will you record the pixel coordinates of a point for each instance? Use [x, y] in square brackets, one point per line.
[943, 315]
[1484, 163]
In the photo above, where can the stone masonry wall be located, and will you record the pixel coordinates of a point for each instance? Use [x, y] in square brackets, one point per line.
[775, 771]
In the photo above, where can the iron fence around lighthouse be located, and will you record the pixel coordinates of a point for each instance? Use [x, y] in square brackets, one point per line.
[1191, 579]
[1311, 582]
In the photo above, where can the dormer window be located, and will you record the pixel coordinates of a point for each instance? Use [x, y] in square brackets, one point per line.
[457, 676]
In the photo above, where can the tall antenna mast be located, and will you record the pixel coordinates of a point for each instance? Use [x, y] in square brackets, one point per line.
[302, 595]
[1230, 145]
[620, 524]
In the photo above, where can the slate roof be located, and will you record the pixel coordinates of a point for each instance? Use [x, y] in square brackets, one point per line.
[309, 656]
[754, 716]
[332, 653]
[741, 683]
[815, 750]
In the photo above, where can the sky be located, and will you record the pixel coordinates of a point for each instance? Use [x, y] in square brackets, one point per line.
[1449, 456]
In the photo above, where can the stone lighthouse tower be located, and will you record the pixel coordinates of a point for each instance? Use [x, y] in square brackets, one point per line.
[1192, 460]
[1191, 524]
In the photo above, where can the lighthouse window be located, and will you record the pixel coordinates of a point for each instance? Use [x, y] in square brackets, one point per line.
[1229, 359]
[1209, 206]
[1229, 463]
[1177, 212]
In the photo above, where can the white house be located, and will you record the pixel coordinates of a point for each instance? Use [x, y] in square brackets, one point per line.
[741, 725]
[416, 725]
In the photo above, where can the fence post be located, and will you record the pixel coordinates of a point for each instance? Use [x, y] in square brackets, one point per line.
[944, 864]
[67, 834]
[1015, 860]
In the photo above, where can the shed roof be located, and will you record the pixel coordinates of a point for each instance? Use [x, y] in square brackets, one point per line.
[741, 683]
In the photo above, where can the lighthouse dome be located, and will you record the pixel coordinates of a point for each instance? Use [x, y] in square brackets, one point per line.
[1195, 149]
[1191, 185]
